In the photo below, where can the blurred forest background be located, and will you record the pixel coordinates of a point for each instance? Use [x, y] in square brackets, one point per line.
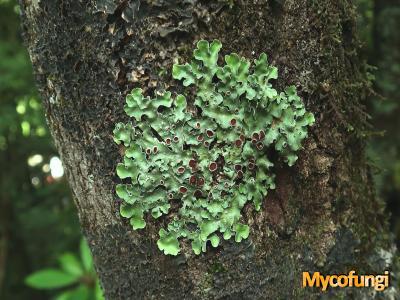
[38, 222]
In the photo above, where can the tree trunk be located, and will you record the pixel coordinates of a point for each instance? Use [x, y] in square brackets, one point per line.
[323, 216]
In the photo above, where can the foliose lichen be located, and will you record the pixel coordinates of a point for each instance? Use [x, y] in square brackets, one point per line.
[207, 154]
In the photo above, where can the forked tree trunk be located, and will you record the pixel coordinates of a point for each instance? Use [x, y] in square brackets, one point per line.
[323, 216]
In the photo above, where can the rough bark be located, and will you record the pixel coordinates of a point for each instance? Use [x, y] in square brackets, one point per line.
[323, 215]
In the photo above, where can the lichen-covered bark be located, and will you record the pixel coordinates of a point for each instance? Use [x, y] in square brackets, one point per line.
[323, 216]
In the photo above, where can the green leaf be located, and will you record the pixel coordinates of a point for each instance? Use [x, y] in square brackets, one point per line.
[50, 279]
[79, 293]
[86, 255]
[64, 296]
[98, 292]
[70, 264]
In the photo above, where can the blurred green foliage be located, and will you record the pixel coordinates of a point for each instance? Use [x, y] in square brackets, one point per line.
[36, 208]
[379, 22]
[76, 275]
